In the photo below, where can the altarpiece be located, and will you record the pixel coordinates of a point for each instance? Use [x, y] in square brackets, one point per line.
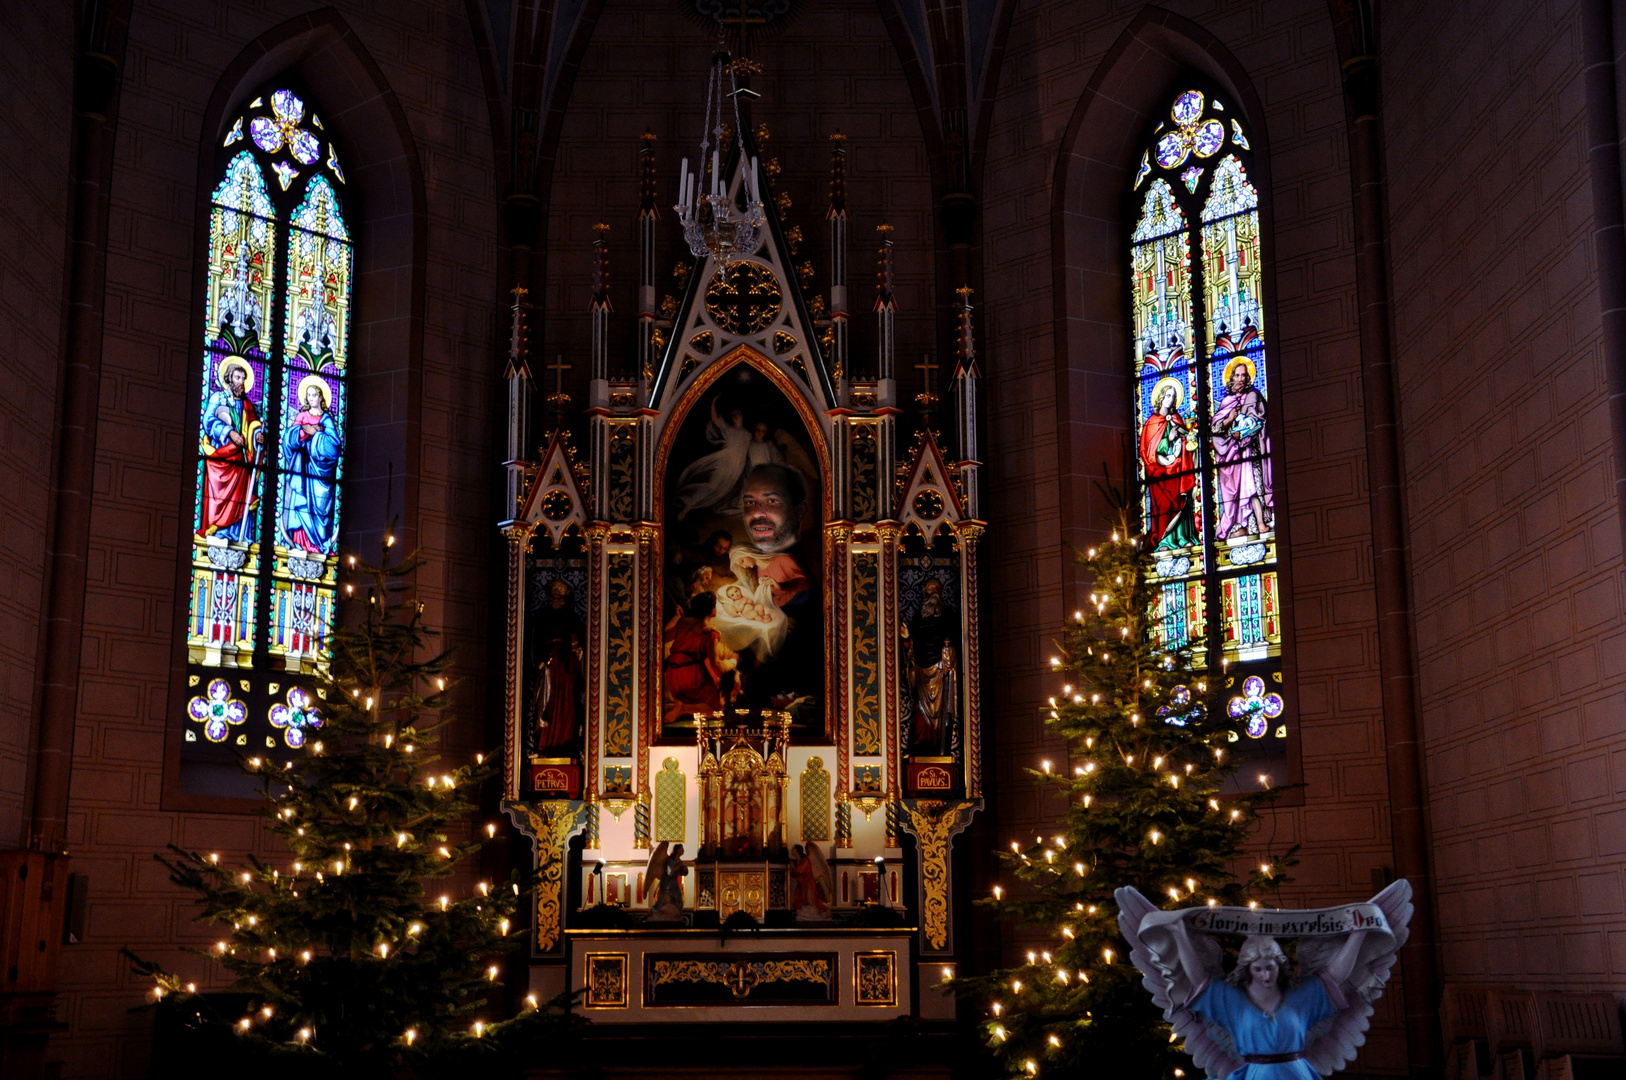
[743, 649]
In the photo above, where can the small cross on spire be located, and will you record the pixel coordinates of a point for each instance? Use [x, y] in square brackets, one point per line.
[926, 366]
[926, 399]
[559, 367]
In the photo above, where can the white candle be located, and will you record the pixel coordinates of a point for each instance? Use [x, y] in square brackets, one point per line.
[683, 179]
[756, 190]
[716, 173]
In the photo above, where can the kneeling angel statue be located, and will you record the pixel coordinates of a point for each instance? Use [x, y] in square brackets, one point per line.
[1263, 1021]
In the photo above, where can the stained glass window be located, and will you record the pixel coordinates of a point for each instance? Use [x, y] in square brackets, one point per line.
[263, 546]
[1202, 399]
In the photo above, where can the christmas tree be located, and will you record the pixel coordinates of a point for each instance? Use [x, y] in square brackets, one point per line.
[1143, 806]
[341, 952]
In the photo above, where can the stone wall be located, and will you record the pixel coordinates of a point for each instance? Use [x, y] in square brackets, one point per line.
[36, 79]
[1516, 550]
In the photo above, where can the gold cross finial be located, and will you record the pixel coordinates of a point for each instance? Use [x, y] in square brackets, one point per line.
[559, 367]
[926, 366]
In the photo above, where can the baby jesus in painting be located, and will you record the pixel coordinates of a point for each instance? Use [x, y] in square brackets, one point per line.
[737, 604]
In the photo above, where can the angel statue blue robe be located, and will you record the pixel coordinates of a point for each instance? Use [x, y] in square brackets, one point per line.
[310, 465]
[1346, 953]
[1282, 1033]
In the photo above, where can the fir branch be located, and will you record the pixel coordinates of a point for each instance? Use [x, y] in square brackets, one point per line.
[343, 953]
[1144, 805]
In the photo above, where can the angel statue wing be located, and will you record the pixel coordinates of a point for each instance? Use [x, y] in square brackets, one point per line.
[1171, 987]
[821, 873]
[652, 874]
[1331, 1045]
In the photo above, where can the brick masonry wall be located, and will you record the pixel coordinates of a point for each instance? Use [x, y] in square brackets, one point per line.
[832, 66]
[36, 79]
[176, 56]
[1516, 538]
[1288, 53]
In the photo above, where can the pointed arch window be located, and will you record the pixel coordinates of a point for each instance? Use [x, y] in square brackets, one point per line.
[1203, 399]
[262, 545]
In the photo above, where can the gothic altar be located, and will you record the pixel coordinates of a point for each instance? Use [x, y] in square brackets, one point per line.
[742, 640]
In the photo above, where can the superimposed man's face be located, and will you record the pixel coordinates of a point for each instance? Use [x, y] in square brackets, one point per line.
[235, 381]
[771, 519]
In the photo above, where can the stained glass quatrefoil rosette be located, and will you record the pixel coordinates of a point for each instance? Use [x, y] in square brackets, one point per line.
[296, 717]
[217, 710]
[1255, 708]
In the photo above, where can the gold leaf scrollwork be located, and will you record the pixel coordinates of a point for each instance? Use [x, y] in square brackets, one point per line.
[618, 674]
[935, 825]
[549, 824]
[741, 976]
[866, 655]
[874, 979]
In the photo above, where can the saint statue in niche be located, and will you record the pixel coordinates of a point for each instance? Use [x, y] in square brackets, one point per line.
[1166, 443]
[745, 608]
[556, 644]
[311, 451]
[932, 660]
[230, 444]
[1242, 456]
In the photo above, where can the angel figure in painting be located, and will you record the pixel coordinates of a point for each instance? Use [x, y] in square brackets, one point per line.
[812, 885]
[663, 883]
[712, 482]
[1262, 1021]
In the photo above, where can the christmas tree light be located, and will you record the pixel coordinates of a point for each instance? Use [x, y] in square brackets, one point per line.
[339, 950]
[1140, 805]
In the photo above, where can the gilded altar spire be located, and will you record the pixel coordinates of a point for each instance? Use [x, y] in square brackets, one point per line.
[648, 215]
[518, 374]
[886, 306]
[837, 218]
[967, 373]
[600, 306]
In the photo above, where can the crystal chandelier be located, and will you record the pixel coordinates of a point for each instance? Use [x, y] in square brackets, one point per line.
[713, 222]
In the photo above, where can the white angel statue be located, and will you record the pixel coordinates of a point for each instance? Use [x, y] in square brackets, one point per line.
[1261, 1022]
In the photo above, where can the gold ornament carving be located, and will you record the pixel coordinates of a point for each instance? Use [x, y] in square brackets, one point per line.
[744, 300]
[740, 976]
[606, 981]
[549, 824]
[875, 979]
[935, 825]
